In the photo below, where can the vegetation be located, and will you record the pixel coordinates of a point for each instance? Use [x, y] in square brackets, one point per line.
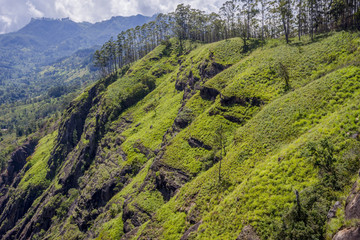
[43, 67]
[205, 134]
[171, 154]
[235, 19]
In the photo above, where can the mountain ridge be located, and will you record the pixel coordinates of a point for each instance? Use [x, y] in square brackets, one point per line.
[212, 148]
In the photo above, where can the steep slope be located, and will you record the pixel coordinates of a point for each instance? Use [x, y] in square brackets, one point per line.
[44, 41]
[208, 145]
[43, 66]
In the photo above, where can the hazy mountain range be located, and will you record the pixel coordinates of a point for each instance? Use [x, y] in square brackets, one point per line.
[45, 41]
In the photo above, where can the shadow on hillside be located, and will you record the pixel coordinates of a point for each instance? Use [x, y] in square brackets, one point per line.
[316, 38]
[253, 44]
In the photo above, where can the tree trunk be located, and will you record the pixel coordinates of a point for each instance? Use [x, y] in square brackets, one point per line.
[300, 17]
[285, 31]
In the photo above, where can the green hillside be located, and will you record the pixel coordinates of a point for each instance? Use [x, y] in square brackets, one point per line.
[213, 144]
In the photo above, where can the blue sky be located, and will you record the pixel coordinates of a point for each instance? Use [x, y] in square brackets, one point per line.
[15, 14]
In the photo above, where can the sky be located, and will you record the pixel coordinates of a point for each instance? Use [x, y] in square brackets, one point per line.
[14, 14]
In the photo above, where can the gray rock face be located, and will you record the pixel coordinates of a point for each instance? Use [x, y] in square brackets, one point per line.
[10, 178]
[352, 211]
[193, 228]
[208, 93]
[352, 208]
[17, 162]
[248, 233]
[348, 234]
[332, 211]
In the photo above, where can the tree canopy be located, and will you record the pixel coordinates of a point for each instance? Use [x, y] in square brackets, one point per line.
[247, 19]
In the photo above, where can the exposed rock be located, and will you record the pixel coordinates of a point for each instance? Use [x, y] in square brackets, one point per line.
[10, 213]
[130, 235]
[168, 180]
[180, 85]
[192, 229]
[17, 162]
[352, 211]
[332, 211]
[74, 166]
[252, 101]
[248, 233]
[181, 122]
[355, 135]
[44, 220]
[133, 217]
[184, 118]
[208, 93]
[233, 119]
[142, 149]
[70, 131]
[198, 144]
[97, 199]
[15, 211]
[352, 207]
[182, 82]
[210, 69]
[348, 234]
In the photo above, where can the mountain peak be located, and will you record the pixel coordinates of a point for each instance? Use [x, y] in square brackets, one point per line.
[49, 19]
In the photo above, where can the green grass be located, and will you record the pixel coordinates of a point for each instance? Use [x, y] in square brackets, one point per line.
[36, 176]
[261, 188]
[266, 147]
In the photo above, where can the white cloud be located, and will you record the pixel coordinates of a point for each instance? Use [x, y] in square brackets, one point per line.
[20, 11]
[5, 21]
[33, 11]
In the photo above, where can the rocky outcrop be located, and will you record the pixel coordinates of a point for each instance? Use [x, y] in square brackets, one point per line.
[133, 216]
[16, 210]
[143, 150]
[352, 208]
[87, 209]
[184, 118]
[168, 180]
[71, 163]
[233, 119]
[348, 234]
[352, 211]
[195, 143]
[248, 233]
[192, 229]
[209, 68]
[242, 101]
[332, 211]
[10, 213]
[208, 93]
[17, 162]
[70, 130]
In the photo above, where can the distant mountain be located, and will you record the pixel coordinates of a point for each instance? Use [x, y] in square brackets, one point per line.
[208, 145]
[61, 37]
[47, 32]
[25, 53]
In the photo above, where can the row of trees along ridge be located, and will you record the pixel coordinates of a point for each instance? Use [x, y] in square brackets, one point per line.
[237, 18]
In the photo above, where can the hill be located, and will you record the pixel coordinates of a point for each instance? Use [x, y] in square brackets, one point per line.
[43, 66]
[23, 54]
[213, 144]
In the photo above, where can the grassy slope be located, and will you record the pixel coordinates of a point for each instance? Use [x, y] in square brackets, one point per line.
[264, 163]
[260, 188]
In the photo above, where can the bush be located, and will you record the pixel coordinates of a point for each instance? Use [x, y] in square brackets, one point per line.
[57, 91]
